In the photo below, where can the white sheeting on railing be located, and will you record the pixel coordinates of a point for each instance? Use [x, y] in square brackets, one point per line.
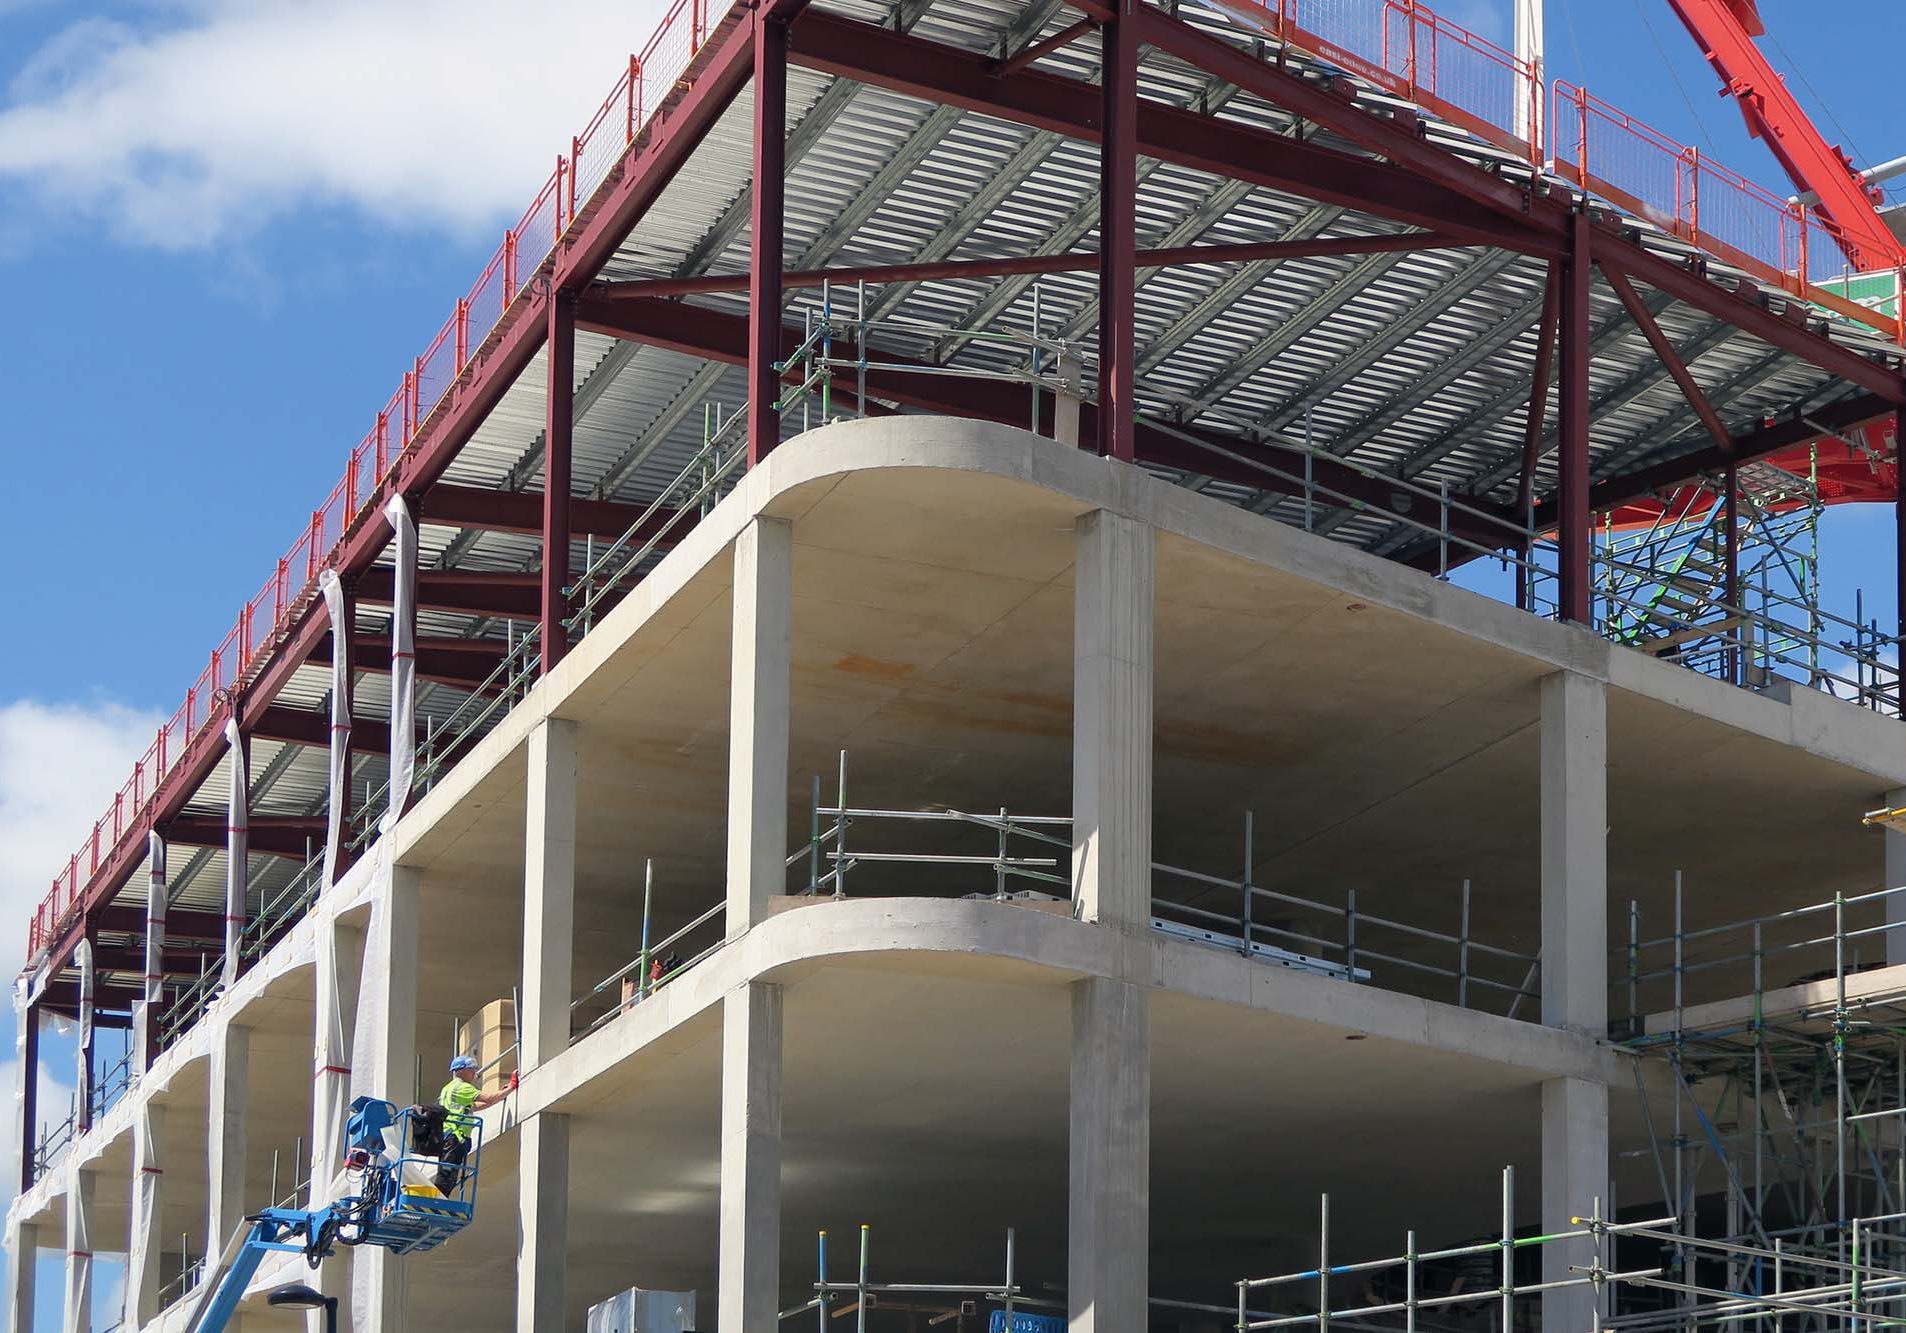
[83, 1053]
[340, 782]
[146, 1013]
[237, 841]
[403, 660]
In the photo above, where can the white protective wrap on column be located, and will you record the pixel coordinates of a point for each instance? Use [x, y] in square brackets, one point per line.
[145, 1242]
[237, 841]
[24, 1134]
[83, 1052]
[383, 1064]
[403, 660]
[79, 1253]
[336, 969]
[340, 785]
[158, 892]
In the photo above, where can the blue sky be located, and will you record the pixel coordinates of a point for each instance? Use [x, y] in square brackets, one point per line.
[226, 226]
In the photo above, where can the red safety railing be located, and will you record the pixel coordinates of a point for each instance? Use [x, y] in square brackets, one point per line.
[1407, 49]
[645, 84]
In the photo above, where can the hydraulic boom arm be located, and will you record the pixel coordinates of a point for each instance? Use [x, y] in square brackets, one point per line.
[1725, 31]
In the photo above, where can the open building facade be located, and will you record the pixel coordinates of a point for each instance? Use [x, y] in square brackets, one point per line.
[901, 659]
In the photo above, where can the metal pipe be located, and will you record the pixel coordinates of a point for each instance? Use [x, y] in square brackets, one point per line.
[860, 1313]
[1323, 1265]
[1508, 1248]
[648, 901]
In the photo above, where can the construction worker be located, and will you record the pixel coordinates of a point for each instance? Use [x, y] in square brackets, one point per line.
[460, 1099]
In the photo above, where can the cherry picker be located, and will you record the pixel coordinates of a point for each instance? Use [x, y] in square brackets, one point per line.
[392, 1174]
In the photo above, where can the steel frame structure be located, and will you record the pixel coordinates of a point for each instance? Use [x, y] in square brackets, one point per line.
[1303, 268]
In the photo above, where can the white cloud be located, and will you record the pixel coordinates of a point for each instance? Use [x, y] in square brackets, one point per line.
[198, 122]
[59, 767]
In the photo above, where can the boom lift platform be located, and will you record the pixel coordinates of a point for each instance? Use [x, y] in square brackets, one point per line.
[394, 1205]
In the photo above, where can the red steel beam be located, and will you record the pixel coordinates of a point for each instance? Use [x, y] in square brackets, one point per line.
[643, 289]
[1118, 222]
[298, 726]
[558, 440]
[766, 251]
[716, 336]
[1573, 533]
[273, 835]
[1532, 421]
[479, 592]
[1690, 390]
[914, 67]
[516, 511]
[180, 924]
[1039, 50]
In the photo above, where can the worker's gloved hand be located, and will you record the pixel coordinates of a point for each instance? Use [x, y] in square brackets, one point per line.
[515, 1078]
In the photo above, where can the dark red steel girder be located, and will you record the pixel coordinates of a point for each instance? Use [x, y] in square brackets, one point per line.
[514, 511]
[943, 74]
[1118, 221]
[478, 592]
[299, 726]
[1532, 420]
[645, 289]
[1573, 443]
[1665, 350]
[462, 662]
[715, 336]
[558, 441]
[272, 835]
[766, 252]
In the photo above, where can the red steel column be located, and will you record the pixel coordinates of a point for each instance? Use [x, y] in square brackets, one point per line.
[765, 257]
[557, 437]
[1899, 537]
[1118, 189]
[1572, 492]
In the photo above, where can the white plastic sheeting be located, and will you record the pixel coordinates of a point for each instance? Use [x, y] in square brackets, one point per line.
[83, 1052]
[340, 785]
[79, 1250]
[145, 1019]
[143, 1278]
[403, 660]
[336, 970]
[25, 1132]
[237, 838]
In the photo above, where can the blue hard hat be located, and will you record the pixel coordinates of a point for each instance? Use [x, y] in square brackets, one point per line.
[461, 1063]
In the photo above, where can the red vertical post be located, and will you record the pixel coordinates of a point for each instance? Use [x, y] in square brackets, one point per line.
[558, 432]
[463, 332]
[1572, 493]
[1899, 544]
[30, 1102]
[635, 75]
[383, 445]
[1731, 569]
[765, 258]
[509, 268]
[1118, 190]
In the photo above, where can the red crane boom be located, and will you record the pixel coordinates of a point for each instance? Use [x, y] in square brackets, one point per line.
[1725, 31]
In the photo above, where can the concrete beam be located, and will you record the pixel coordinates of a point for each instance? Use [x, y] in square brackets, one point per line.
[1575, 853]
[226, 1125]
[1574, 1177]
[542, 1210]
[1112, 718]
[146, 1241]
[1108, 1229]
[758, 720]
[748, 1287]
[549, 892]
[79, 1252]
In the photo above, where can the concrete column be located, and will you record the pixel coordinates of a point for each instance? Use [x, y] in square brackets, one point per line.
[384, 1064]
[748, 1287]
[1108, 1228]
[146, 1241]
[22, 1266]
[336, 979]
[549, 892]
[1112, 719]
[1574, 1176]
[79, 1253]
[1575, 853]
[758, 720]
[542, 1211]
[1895, 878]
[226, 1125]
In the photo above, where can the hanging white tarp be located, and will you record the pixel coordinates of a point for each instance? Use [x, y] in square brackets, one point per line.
[83, 1073]
[340, 783]
[145, 1019]
[403, 660]
[237, 839]
[142, 1255]
[337, 978]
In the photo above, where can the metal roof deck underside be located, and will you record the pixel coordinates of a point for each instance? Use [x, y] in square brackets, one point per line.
[1416, 363]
